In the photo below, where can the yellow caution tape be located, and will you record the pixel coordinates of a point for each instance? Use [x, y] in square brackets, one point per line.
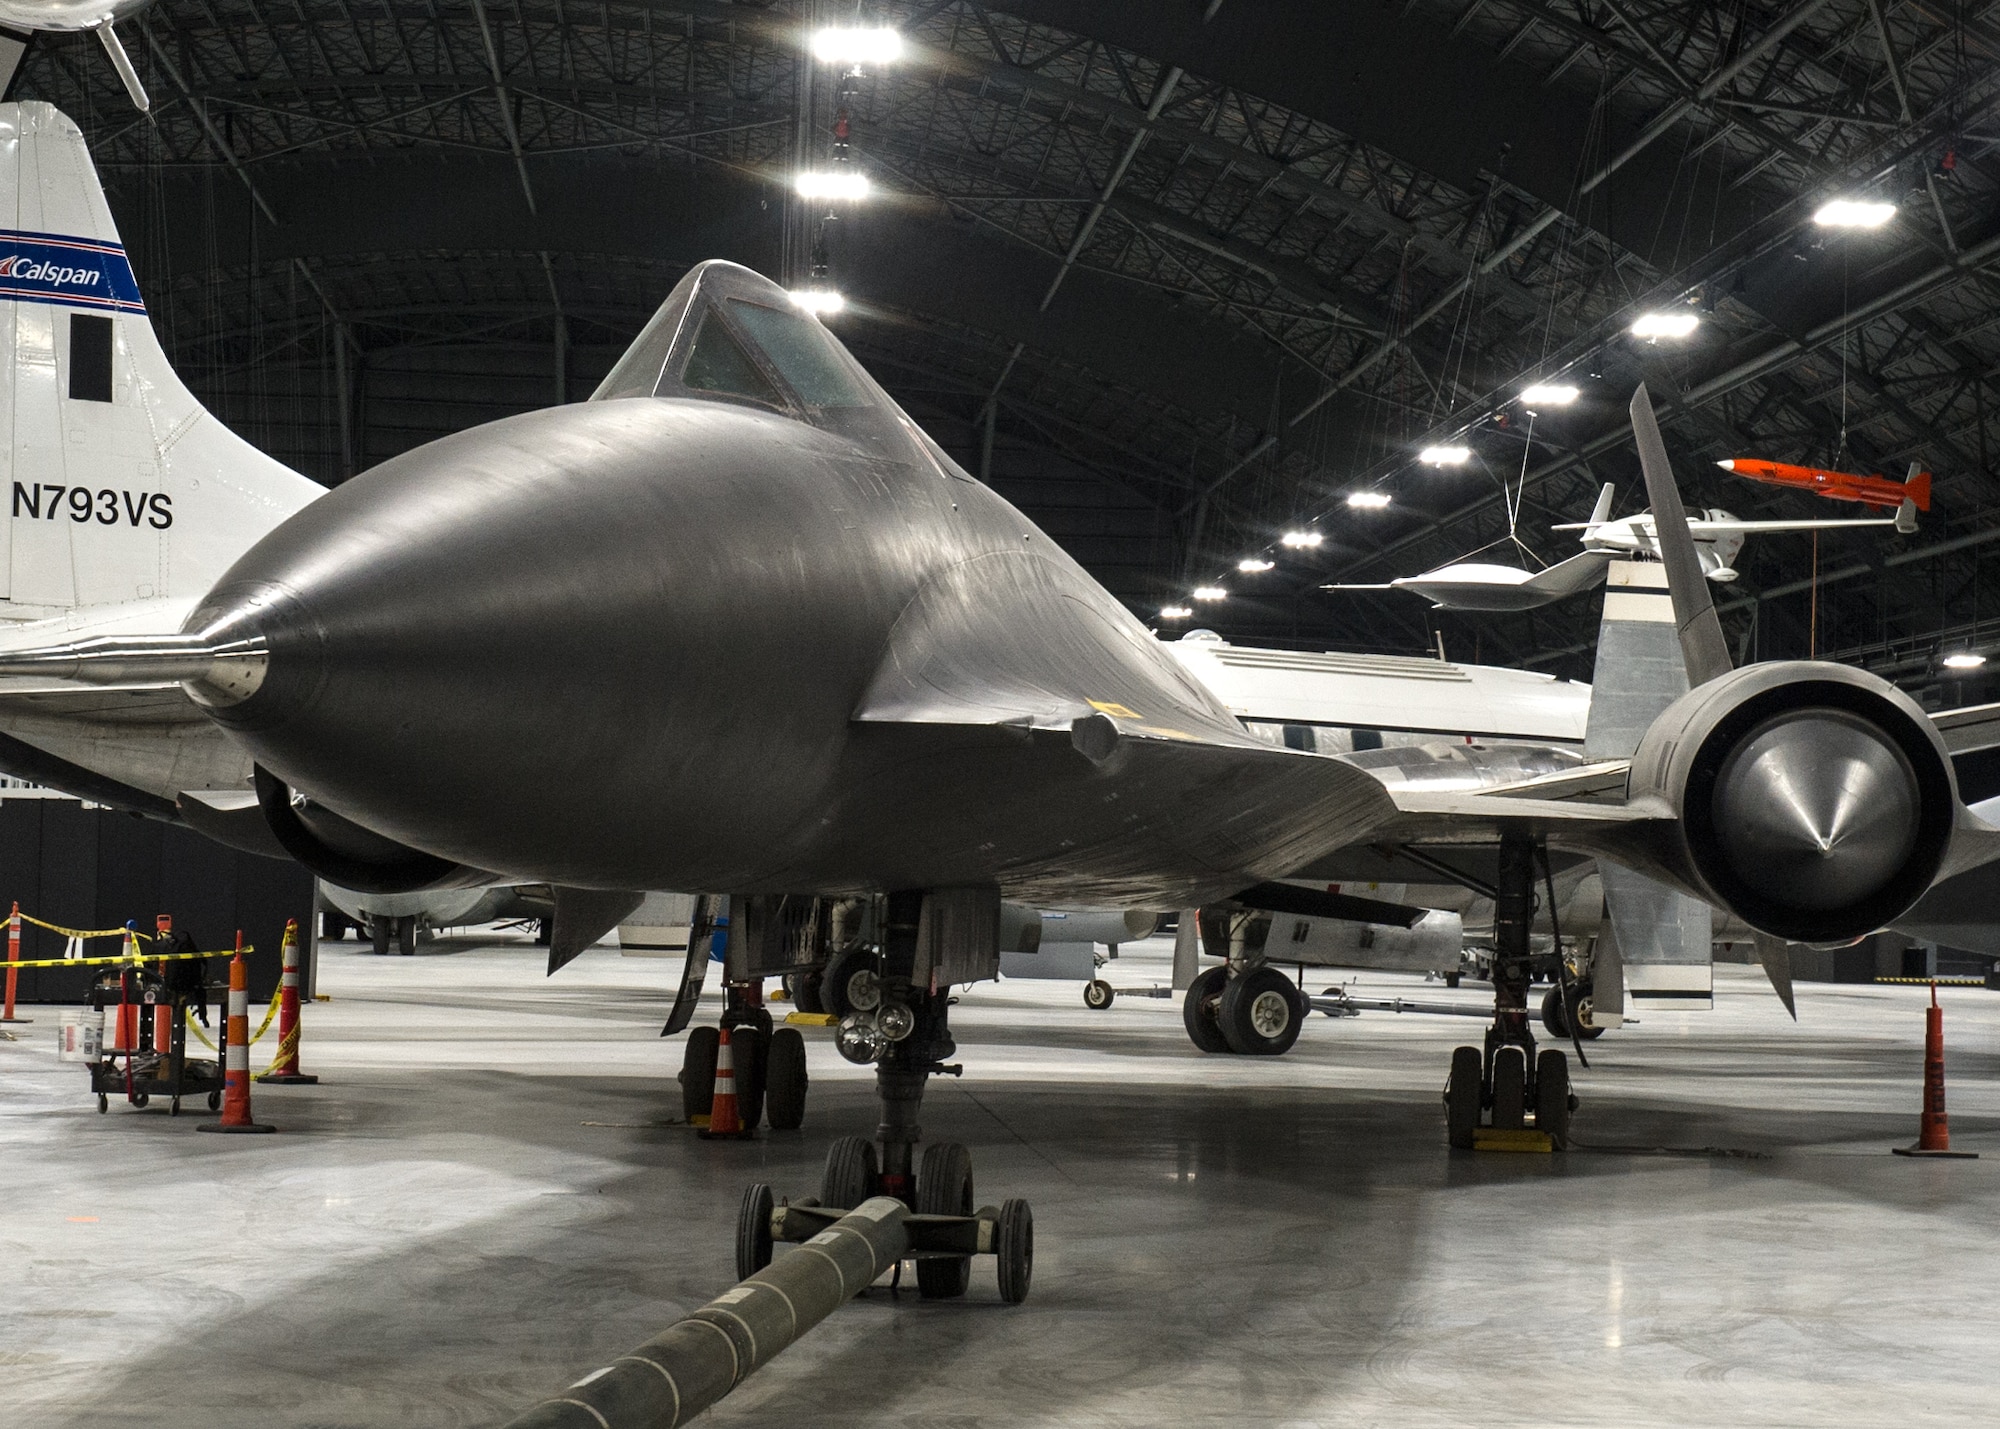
[88, 932]
[270, 1013]
[288, 1047]
[125, 959]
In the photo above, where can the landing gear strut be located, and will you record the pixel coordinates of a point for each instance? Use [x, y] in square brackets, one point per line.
[907, 1035]
[1507, 1084]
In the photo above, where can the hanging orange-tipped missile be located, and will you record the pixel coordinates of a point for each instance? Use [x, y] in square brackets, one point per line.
[1838, 485]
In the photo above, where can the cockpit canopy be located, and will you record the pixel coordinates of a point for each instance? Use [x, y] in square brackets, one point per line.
[727, 334]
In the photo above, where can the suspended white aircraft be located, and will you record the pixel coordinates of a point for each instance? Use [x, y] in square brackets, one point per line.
[21, 20]
[1718, 537]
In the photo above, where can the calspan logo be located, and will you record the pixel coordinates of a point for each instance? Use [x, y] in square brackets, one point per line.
[67, 272]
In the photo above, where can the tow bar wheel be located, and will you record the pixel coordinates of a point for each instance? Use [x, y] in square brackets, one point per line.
[1014, 1249]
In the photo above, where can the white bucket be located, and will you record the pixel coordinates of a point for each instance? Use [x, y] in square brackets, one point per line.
[80, 1036]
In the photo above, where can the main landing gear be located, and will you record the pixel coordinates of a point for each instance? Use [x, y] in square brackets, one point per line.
[905, 1032]
[1505, 1093]
[769, 1061]
[1253, 1011]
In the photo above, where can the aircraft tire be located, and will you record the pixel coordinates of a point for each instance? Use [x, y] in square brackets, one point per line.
[1198, 1011]
[806, 995]
[1552, 1096]
[785, 1080]
[378, 934]
[944, 1188]
[753, 1232]
[1462, 1096]
[1585, 1030]
[852, 983]
[406, 936]
[698, 1072]
[747, 1047]
[1259, 1013]
[1552, 1013]
[1510, 1089]
[1098, 994]
[332, 926]
[850, 1175]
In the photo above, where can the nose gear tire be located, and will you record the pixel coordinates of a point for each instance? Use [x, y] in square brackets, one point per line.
[850, 1174]
[944, 1188]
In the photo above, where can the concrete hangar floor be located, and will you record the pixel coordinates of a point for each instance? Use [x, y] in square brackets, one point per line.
[485, 1197]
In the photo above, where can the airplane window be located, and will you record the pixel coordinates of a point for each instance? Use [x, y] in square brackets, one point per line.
[718, 363]
[803, 352]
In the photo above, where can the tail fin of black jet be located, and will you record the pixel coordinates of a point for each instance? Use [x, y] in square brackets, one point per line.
[1663, 936]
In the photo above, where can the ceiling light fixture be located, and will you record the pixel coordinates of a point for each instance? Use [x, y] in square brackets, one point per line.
[821, 301]
[1552, 394]
[1445, 456]
[1251, 565]
[847, 185]
[852, 44]
[1368, 500]
[1854, 213]
[1665, 324]
[1963, 660]
[1301, 540]
[1210, 592]
[1175, 612]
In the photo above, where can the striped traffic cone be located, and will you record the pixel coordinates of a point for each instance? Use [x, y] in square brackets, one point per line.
[1933, 1131]
[236, 1053]
[13, 972]
[286, 1071]
[724, 1117]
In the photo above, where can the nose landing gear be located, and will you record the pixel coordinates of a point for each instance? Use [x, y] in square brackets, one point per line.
[907, 1034]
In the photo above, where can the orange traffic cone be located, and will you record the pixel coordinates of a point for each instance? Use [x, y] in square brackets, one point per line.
[287, 1072]
[236, 1053]
[1933, 1131]
[724, 1117]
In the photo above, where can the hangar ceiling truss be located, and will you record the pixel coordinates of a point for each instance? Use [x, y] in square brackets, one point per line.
[1351, 283]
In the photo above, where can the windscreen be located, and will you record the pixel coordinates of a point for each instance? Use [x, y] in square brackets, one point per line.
[718, 363]
[803, 353]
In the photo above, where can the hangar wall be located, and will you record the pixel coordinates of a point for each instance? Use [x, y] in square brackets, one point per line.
[86, 867]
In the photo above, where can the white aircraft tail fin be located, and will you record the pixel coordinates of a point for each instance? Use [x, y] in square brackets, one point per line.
[119, 485]
[1601, 512]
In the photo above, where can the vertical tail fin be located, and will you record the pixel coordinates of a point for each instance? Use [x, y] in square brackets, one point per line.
[1601, 512]
[1662, 936]
[1917, 488]
[119, 485]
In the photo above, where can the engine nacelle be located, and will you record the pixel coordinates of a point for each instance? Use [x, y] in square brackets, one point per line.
[1815, 801]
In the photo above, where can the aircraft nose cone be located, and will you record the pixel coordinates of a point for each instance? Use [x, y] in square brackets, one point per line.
[1817, 810]
[584, 608]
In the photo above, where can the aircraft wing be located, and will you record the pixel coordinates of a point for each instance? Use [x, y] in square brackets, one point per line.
[1974, 727]
[1751, 528]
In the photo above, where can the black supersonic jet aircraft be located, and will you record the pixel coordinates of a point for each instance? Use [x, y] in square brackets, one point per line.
[737, 625]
